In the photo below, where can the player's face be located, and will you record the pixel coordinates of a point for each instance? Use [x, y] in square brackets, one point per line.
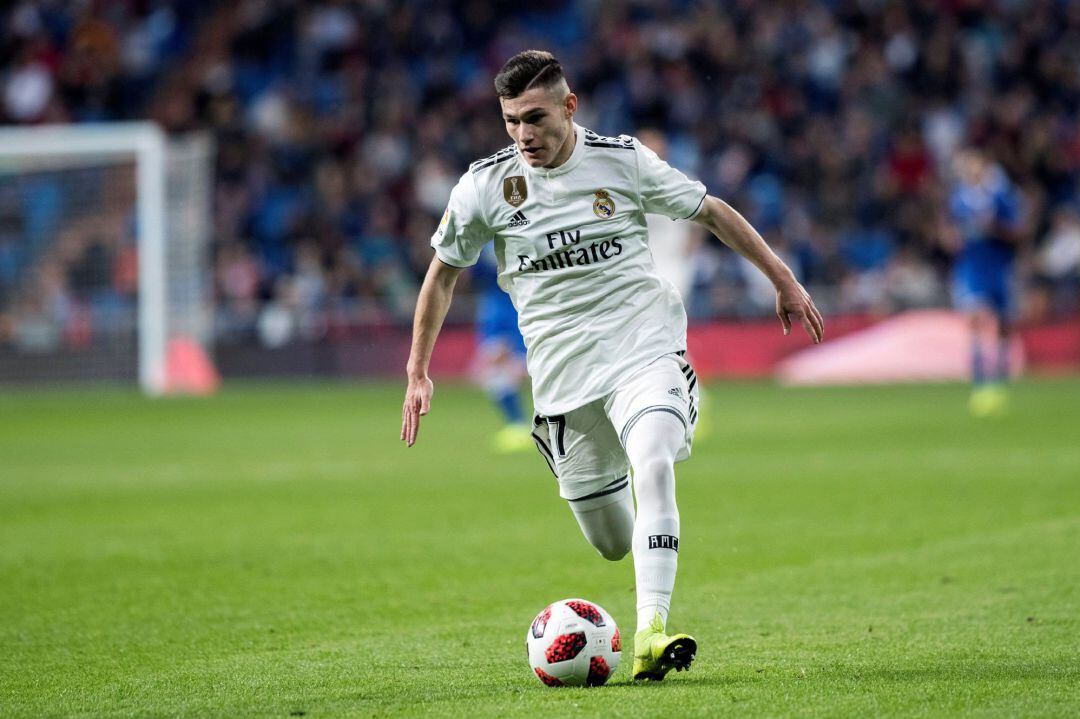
[971, 167]
[541, 123]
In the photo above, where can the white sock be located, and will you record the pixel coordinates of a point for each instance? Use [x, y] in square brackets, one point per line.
[655, 563]
[652, 445]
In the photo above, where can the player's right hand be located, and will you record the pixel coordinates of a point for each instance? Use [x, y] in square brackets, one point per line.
[417, 404]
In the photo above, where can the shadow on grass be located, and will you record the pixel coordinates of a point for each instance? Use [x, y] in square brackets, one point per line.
[690, 681]
[1050, 670]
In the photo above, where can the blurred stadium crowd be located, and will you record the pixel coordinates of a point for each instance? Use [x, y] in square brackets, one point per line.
[342, 126]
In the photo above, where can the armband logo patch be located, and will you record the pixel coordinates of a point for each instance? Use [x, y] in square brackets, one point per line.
[663, 541]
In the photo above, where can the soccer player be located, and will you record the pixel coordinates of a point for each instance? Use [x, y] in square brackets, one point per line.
[606, 337]
[985, 206]
[500, 360]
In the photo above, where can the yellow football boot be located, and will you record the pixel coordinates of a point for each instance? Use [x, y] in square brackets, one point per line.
[656, 653]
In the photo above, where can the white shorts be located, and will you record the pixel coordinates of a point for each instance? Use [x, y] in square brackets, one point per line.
[585, 448]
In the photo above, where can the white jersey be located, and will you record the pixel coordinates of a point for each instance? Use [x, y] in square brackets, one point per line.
[572, 250]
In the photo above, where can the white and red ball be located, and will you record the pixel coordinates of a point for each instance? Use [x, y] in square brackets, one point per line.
[573, 642]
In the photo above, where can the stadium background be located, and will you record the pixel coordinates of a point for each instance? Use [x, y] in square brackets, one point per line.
[274, 551]
[341, 128]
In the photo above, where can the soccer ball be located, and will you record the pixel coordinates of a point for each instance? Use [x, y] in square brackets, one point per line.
[573, 642]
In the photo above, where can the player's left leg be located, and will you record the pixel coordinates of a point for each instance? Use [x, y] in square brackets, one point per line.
[656, 410]
[652, 445]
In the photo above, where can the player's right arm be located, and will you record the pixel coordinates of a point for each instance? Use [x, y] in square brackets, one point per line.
[431, 307]
[461, 235]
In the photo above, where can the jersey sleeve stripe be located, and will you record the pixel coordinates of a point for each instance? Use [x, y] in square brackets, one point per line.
[504, 154]
[614, 143]
[489, 163]
[591, 135]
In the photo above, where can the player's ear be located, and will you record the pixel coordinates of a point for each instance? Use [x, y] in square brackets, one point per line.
[570, 104]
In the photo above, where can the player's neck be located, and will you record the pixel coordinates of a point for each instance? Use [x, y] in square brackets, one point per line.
[565, 151]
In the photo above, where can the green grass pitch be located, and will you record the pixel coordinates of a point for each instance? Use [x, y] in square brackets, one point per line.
[275, 551]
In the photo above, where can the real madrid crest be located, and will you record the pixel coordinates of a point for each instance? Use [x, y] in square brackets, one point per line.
[604, 206]
[515, 191]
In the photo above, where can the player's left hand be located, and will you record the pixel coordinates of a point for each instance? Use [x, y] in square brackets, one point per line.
[792, 300]
[417, 404]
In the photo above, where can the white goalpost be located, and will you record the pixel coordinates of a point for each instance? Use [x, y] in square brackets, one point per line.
[108, 191]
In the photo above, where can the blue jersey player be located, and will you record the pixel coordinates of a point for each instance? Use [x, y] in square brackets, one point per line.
[985, 208]
[500, 365]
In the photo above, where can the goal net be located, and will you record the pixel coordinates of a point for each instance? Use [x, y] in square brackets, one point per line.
[104, 256]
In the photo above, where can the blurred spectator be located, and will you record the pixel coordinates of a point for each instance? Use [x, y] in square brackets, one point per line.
[341, 126]
[1058, 265]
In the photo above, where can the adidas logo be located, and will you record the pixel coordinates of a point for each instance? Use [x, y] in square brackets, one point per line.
[675, 391]
[518, 220]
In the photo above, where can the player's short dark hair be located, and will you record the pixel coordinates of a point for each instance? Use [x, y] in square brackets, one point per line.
[528, 69]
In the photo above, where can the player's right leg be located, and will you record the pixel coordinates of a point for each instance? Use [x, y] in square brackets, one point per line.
[606, 518]
[974, 299]
[584, 454]
[988, 395]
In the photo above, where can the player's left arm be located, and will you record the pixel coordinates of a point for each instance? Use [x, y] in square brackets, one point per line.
[792, 300]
